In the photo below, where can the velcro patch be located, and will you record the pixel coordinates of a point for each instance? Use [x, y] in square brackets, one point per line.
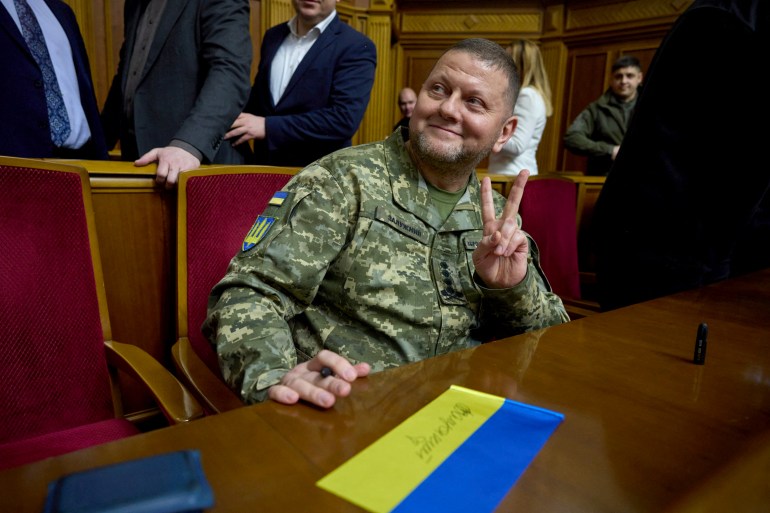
[278, 198]
[257, 232]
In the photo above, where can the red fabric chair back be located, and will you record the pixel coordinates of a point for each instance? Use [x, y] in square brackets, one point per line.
[217, 207]
[52, 355]
[548, 213]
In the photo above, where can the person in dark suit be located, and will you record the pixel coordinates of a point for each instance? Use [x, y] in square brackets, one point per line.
[687, 202]
[183, 78]
[25, 128]
[312, 87]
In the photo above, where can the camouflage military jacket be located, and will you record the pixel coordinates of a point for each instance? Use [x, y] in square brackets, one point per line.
[352, 256]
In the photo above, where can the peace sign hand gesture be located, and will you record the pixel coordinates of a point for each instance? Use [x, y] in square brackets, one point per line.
[501, 256]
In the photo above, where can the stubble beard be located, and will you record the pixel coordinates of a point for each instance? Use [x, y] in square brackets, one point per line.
[452, 163]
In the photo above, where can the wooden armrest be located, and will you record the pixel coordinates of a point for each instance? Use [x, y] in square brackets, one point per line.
[177, 404]
[210, 390]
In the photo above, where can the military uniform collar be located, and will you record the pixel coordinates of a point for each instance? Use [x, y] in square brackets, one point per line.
[410, 191]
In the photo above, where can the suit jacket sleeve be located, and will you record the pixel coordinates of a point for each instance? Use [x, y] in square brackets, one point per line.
[196, 84]
[225, 50]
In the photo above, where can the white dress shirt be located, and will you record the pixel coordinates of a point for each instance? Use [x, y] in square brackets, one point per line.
[290, 54]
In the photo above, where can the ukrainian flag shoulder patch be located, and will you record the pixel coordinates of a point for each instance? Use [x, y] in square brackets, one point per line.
[278, 198]
[257, 232]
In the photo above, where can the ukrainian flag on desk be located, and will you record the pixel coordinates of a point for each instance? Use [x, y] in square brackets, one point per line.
[460, 453]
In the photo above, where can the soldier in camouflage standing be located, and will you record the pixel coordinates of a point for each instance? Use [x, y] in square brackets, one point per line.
[386, 253]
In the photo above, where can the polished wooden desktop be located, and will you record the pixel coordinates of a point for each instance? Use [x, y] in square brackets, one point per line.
[645, 429]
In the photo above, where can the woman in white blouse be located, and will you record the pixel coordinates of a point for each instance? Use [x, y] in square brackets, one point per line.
[532, 108]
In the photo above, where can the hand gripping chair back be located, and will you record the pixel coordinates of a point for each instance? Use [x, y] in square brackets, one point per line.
[57, 394]
[216, 208]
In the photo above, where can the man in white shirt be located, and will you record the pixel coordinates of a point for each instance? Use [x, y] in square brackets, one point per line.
[311, 90]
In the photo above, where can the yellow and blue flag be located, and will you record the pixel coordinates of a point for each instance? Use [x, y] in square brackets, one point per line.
[257, 232]
[278, 198]
[462, 452]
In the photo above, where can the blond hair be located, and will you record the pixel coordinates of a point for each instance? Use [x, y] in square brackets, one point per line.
[529, 61]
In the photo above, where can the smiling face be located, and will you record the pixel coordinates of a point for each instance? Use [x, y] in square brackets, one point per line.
[625, 82]
[464, 111]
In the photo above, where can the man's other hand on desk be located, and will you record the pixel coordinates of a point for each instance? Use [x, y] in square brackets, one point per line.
[308, 381]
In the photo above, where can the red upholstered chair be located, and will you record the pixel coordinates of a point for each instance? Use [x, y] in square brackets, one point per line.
[216, 208]
[548, 209]
[56, 355]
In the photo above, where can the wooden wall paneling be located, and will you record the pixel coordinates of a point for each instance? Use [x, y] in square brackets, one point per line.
[274, 12]
[257, 31]
[495, 24]
[399, 80]
[554, 60]
[617, 19]
[134, 228]
[377, 123]
[419, 63]
[114, 40]
[93, 20]
[134, 222]
[375, 23]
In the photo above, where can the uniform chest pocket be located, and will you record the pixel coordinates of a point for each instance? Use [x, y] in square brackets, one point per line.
[387, 263]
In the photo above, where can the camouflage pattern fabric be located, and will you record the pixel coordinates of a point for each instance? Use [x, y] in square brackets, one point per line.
[353, 257]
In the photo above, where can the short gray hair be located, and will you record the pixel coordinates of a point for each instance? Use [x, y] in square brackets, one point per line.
[494, 55]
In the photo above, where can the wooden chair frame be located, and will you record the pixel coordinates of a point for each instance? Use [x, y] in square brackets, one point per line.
[209, 388]
[172, 398]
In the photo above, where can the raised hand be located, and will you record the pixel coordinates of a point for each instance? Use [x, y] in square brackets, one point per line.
[501, 256]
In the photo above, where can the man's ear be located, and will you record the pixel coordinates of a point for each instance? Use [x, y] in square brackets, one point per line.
[505, 133]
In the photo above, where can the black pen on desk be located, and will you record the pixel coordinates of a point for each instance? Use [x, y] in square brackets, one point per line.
[699, 356]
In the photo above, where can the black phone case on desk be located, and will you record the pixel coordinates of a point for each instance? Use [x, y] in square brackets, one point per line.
[167, 483]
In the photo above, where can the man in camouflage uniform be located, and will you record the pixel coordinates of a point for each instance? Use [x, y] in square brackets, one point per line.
[386, 253]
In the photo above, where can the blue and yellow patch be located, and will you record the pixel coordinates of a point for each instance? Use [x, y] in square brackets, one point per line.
[278, 198]
[257, 232]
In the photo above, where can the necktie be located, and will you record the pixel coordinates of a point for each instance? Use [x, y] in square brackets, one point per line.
[33, 35]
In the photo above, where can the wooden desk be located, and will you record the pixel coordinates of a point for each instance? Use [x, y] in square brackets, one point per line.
[645, 429]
